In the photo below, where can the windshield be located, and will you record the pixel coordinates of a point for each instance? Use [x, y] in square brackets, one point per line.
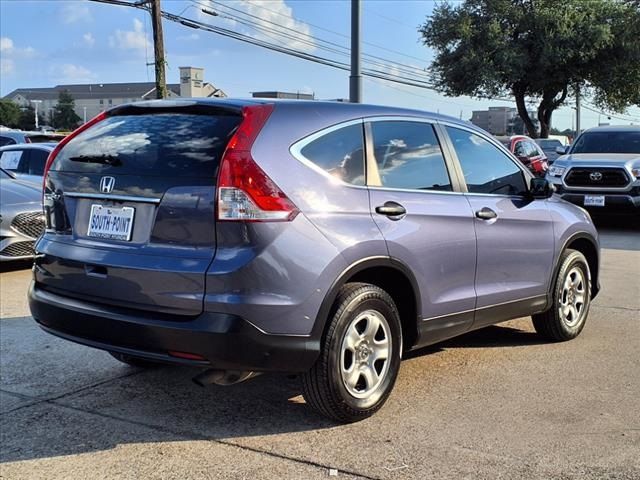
[549, 143]
[608, 142]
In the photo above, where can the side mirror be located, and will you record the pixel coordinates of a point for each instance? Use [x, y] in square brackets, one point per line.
[541, 188]
[562, 150]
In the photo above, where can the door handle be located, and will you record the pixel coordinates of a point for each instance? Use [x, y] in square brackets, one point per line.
[486, 213]
[391, 209]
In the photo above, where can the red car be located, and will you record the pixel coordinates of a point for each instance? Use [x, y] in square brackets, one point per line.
[528, 152]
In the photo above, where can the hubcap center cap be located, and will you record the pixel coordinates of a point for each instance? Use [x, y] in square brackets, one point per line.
[363, 351]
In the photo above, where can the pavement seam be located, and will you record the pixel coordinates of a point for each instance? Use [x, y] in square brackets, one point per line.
[618, 308]
[38, 401]
[189, 435]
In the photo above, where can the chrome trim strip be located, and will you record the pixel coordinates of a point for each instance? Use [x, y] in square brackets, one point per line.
[484, 308]
[120, 198]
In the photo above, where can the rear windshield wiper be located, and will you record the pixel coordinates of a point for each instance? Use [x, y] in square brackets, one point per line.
[106, 159]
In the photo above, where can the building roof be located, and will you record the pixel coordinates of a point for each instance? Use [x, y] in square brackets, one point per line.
[92, 91]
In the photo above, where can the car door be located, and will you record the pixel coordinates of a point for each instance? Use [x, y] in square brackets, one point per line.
[34, 165]
[426, 223]
[515, 241]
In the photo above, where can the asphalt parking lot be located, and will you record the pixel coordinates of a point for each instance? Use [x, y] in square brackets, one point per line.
[497, 403]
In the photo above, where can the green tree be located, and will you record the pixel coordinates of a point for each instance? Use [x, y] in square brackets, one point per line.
[538, 49]
[64, 116]
[9, 114]
[27, 119]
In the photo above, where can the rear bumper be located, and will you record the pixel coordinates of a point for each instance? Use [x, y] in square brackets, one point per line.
[225, 341]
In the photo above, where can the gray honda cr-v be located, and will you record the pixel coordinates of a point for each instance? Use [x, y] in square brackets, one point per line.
[323, 239]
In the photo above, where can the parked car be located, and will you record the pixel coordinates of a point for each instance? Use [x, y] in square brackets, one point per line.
[12, 137]
[528, 152]
[26, 160]
[601, 170]
[317, 238]
[21, 217]
[550, 146]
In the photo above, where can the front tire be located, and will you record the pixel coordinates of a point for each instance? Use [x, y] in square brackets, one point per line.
[360, 355]
[571, 300]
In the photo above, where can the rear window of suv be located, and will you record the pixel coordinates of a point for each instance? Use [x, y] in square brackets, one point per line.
[161, 144]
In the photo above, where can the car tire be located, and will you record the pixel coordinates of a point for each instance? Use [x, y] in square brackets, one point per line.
[133, 361]
[571, 300]
[351, 378]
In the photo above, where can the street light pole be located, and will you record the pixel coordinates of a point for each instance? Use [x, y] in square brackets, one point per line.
[36, 102]
[355, 79]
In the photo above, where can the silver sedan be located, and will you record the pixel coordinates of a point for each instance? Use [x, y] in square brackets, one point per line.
[21, 217]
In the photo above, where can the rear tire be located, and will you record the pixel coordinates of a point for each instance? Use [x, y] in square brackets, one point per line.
[133, 361]
[359, 357]
[571, 300]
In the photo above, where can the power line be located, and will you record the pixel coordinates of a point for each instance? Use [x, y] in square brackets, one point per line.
[310, 40]
[337, 33]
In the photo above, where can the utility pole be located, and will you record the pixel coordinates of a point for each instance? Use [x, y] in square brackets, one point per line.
[158, 48]
[355, 79]
[577, 109]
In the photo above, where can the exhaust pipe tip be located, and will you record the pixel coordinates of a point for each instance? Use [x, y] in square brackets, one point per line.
[222, 377]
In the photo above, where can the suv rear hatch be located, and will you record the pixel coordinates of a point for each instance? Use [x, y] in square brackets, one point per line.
[130, 206]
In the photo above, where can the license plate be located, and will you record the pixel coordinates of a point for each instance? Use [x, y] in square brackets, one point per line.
[594, 200]
[111, 222]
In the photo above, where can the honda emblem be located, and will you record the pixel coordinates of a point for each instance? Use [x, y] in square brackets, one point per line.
[107, 184]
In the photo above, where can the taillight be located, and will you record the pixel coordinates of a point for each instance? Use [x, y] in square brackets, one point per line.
[245, 192]
[54, 153]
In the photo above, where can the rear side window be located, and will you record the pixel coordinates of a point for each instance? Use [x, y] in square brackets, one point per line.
[163, 144]
[340, 153]
[37, 159]
[6, 141]
[408, 156]
[486, 168]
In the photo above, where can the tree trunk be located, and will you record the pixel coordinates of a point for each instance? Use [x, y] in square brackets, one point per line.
[547, 105]
[518, 93]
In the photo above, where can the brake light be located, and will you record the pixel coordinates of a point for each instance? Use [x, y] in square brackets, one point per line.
[245, 191]
[54, 153]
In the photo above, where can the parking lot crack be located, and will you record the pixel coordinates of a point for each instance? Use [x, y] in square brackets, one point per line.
[189, 435]
[39, 400]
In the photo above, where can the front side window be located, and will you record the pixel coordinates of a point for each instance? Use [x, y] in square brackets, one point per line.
[486, 168]
[408, 156]
[340, 153]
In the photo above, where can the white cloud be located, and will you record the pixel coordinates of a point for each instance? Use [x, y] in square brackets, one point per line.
[6, 44]
[269, 12]
[75, 12]
[70, 73]
[189, 38]
[11, 53]
[7, 66]
[131, 39]
[88, 39]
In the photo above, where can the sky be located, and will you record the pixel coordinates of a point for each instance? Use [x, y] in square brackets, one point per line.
[49, 42]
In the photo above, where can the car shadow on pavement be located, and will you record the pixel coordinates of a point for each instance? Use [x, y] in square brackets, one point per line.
[618, 232]
[162, 405]
[14, 266]
[493, 336]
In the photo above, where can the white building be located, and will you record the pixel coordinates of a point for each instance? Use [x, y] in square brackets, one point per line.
[91, 99]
